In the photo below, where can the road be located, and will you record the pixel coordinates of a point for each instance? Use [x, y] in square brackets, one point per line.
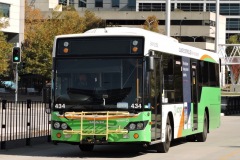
[222, 144]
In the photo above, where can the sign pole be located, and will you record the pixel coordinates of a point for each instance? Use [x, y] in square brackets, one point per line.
[16, 81]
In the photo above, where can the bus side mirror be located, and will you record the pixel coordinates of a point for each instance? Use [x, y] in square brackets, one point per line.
[150, 63]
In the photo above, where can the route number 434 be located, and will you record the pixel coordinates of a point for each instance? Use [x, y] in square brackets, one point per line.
[59, 106]
[136, 105]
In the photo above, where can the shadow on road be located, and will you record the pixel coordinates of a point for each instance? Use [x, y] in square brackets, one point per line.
[72, 151]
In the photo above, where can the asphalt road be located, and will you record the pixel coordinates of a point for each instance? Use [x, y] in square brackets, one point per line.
[222, 144]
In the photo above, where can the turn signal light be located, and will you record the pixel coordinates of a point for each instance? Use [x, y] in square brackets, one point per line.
[134, 49]
[58, 135]
[65, 50]
[135, 135]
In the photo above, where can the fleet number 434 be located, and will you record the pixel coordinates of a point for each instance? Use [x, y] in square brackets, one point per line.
[59, 106]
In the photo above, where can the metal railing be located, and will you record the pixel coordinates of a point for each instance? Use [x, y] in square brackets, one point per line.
[24, 120]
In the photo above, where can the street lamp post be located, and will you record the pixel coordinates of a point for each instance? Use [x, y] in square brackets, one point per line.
[180, 31]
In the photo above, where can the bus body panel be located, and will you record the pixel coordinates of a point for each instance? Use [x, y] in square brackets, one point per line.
[98, 126]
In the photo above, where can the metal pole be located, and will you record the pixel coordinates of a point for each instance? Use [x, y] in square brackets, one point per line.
[222, 74]
[16, 81]
[168, 17]
[217, 26]
[180, 30]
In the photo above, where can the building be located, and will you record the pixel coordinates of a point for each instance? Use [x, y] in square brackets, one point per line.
[184, 24]
[228, 8]
[13, 11]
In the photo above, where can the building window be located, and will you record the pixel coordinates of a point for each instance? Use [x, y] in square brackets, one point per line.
[4, 9]
[154, 7]
[115, 3]
[211, 7]
[131, 3]
[233, 24]
[234, 9]
[99, 3]
[64, 2]
[190, 6]
[197, 7]
[224, 9]
[82, 3]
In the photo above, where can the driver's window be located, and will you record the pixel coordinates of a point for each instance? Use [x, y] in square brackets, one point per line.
[62, 83]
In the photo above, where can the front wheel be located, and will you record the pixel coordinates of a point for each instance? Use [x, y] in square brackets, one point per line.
[202, 137]
[86, 147]
[164, 146]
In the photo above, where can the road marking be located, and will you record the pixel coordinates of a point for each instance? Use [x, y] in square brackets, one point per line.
[230, 155]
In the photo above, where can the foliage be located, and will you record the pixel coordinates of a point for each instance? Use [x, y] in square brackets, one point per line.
[40, 33]
[234, 39]
[151, 24]
[5, 48]
[235, 69]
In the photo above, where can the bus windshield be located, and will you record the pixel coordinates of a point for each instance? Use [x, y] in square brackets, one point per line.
[98, 84]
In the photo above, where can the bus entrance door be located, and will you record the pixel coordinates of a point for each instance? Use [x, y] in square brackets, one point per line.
[156, 101]
[194, 95]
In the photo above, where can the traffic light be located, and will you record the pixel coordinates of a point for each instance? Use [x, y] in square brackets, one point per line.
[16, 55]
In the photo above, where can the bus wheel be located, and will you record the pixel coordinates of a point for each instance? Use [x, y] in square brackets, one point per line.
[86, 147]
[164, 147]
[201, 137]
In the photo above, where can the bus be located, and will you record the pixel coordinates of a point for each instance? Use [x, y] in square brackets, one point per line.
[143, 88]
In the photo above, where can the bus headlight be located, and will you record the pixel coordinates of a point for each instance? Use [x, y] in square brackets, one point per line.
[140, 125]
[64, 126]
[60, 125]
[136, 125]
[56, 125]
[132, 126]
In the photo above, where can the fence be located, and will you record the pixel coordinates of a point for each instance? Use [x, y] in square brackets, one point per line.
[230, 105]
[25, 121]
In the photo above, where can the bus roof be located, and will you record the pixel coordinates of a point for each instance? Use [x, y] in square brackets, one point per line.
[153, 41]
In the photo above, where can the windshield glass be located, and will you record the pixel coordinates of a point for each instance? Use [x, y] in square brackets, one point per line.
[98, 84]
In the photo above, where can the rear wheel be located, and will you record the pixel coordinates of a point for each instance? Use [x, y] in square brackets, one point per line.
[201, 137]
[86, 147]
[164, 147]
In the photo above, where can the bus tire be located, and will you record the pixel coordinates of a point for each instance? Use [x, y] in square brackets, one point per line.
[86, 147]
[202, 137]
[164, 146]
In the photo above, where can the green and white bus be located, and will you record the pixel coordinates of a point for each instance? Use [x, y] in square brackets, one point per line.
[142, 87]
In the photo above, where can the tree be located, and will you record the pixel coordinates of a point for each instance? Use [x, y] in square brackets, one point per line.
[40, 33]
[5, 48]
[235, 69]
[151, 24]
